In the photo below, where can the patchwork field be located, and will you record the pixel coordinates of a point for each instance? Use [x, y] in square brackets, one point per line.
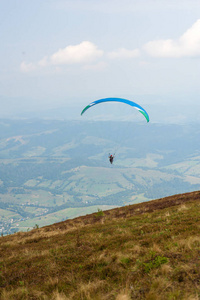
[48, 167]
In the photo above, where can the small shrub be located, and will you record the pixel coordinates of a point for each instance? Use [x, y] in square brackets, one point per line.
[125, 260]
[100, 213]
[155, 263]
[36, 226]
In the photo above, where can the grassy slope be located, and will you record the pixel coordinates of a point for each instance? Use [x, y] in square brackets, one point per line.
[62, 214]
[143, 251]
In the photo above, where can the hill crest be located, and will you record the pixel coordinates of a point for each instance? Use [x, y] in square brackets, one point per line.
[148, 251]
[129, 211]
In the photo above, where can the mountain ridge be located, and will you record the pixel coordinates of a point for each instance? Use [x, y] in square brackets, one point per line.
[133, 209]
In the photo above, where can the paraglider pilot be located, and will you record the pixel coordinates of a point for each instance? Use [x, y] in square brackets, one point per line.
[111, 157]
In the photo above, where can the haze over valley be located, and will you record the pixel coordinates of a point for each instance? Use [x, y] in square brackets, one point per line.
[54, 170]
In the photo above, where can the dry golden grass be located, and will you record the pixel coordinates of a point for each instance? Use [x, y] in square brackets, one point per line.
[160, 284]
[22, 293]
[12, 294]
[91, 289]
[59, 296]
[192, 297]
[156, 248]
[123, 296]
[144, 251]
[183, 207]
[189, 243]
[165, 270]
[167, 214]
[194, 242]
[137, 249]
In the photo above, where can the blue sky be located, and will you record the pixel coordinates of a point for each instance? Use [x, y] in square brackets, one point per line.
[59, 53]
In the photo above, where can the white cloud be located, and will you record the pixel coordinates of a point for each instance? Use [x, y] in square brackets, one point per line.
[43, 62]
[27, 67]
[123, 53]
[87, 54]
[187, 45]
[82, 53]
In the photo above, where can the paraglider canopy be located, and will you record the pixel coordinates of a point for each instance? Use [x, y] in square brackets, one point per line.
[125, 101]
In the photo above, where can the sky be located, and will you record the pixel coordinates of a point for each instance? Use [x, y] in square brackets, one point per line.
[61, 55]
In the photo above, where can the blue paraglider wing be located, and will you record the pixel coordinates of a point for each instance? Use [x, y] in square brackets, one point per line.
[126, 101]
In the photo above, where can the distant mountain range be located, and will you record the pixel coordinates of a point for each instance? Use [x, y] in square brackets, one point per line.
[52, 170]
